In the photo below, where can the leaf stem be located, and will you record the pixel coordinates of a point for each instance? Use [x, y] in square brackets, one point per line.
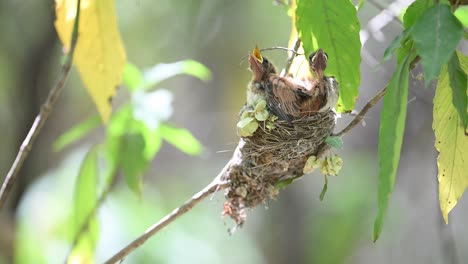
[41, 118]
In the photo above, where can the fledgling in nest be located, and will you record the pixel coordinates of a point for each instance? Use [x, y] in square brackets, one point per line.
[282, 124]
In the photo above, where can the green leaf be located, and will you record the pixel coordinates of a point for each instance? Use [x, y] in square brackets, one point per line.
[161, 72]
[153, 141]
[244, 122]
[262, 115]
[132, 77]
[414, 12]
[248, 129]
[182, 139]
[196, 69]
[462, 14]
[396, 43]
[324, 189]
[451, 140]
[311, 164]
[334, 141]
[85, 199]
[283, 183]
[459, 86]
[436, 35]
[133, 161]
[392, 127]
[77, 132]
[334, 27]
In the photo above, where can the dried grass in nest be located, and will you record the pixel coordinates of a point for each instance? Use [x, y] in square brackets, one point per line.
[268, 156]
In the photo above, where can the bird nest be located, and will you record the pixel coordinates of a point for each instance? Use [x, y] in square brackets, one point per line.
[269, 156]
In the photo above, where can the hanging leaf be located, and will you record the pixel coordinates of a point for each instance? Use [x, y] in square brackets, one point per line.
[436, 35]
[132, 161]
[99, 54]
[334, 27]
[458, 83]
[324, 189]
[85, 198]
[451, 141]
[392, 127]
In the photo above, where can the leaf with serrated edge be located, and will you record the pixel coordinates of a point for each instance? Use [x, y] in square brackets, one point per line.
[334, 27]
[452, 144]
[99, 54]
[392, 127]
[436, 35]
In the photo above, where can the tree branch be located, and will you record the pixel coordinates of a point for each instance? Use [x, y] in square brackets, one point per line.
[363, 112]
[292, 55]
[214, 186]
[217, 185]
[41, 118]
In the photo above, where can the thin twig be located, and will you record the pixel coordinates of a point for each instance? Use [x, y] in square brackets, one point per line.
[41, 118]
[214, 186]
[294, 52]
[363, 112]
[297, 44]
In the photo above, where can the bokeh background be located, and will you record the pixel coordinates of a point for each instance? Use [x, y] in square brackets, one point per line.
[297, 228]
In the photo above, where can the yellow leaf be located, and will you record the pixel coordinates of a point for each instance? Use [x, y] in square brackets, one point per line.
[99, 53]
[451, 142]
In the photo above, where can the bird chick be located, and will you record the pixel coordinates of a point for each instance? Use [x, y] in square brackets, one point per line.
[325, 90]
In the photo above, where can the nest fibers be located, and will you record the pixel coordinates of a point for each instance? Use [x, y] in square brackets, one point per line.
[262, 160]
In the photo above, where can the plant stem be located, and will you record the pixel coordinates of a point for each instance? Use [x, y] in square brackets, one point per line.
[41, 118]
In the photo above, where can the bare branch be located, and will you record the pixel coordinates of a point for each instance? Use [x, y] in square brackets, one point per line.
[41, 118]
[214, 186]
[292, 55]
[363, 112]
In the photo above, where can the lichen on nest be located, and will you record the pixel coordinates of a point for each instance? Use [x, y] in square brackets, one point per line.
[275, 150]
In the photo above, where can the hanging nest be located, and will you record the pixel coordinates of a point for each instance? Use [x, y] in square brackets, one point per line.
[270, 155]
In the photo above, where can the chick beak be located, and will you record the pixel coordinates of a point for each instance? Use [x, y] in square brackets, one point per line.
[255, 63]
[319, 63]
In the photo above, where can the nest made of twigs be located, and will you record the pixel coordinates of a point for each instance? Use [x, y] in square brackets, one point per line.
[262, 160]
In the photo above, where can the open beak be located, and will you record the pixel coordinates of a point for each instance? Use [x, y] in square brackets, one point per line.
[255, 62]
[319, 62]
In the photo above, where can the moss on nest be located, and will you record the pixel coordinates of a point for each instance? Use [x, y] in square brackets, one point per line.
[270, 155]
